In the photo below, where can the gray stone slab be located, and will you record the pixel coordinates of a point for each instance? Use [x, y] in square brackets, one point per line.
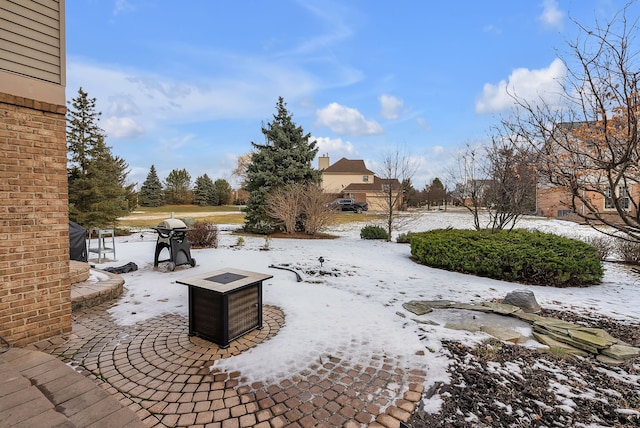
[552, 343]
[621, 352]
[502, 333]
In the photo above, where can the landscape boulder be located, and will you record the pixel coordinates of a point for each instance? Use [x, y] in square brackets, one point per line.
[524, 299]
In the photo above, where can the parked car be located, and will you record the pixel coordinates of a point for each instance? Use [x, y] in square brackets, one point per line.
[346, 204]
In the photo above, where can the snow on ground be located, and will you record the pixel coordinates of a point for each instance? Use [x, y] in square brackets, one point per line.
[353, 310]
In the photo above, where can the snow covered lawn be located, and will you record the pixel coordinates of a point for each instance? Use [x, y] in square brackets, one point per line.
[351, 304]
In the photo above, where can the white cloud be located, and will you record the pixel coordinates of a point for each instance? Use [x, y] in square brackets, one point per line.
[160, 99]
[423, 124]
[551, 16]
[334, 146]
[391, 106]
[346, 120]
[122, 6]
[490, 28]
[532, 86]
[122, 127]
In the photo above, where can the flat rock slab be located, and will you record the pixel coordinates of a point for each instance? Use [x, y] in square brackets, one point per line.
[621, 352]
[502, 333]
[552, 343]
[572, 338]
[421, 307]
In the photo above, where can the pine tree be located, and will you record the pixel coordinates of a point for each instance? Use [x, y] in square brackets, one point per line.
[284, 158]
[223, 191]
[98, 193]
[177, 187]
[151, 194]
[204, 191]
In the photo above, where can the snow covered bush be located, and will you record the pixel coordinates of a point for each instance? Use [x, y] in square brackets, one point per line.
[519, 255]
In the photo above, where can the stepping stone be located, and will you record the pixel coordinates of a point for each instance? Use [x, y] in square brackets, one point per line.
[502, 333]
[608, 360]
[463, 326]
[621, 352]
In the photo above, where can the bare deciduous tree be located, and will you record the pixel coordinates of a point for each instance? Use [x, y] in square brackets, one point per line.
[396, 168]
[469, 176]
[242, 165]
[497, 180]
[589, 146]
[511, 189]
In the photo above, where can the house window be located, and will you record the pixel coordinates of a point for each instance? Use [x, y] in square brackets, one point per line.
[622, 195]
[386, 188]
[365, 178]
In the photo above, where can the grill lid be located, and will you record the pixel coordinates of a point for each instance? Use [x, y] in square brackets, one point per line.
[172, 223]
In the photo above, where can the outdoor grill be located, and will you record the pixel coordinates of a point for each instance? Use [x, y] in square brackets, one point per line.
[172, 235]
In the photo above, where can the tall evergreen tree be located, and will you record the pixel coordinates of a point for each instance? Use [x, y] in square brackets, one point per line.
[98, 192]
[151, 193]
[223, 191]
[177, 187]
[284, 158]
[204, 192]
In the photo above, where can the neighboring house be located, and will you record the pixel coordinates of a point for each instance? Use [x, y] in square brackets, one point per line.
[35, 291]
[352, 179]
[556, 201]
[343, 173]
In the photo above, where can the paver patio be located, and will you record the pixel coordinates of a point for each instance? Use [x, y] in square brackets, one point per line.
[163, 375]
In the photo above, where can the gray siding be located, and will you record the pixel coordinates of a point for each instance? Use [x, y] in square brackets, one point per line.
[30, 38]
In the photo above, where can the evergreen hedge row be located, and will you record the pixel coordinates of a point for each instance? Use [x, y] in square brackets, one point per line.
[519, 256]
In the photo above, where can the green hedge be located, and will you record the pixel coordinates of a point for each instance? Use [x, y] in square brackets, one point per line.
[519, 255]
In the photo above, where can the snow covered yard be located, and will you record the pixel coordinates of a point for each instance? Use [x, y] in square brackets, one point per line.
[351, 306]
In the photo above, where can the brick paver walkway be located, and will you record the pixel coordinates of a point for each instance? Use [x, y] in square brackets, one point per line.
[162, 374]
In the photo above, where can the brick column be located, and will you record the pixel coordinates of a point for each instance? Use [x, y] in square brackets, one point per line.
[35, 294]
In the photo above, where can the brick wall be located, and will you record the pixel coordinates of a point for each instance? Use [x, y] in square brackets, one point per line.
[35, 297]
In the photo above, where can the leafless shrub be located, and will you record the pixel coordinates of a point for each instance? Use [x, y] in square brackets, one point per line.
[203, 235]
[601, 243]
[629, 251]
[317, 214]
[285, 205]
[300, 207]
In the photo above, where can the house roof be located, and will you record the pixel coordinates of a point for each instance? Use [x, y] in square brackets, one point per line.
[347, 166]
[376, 186]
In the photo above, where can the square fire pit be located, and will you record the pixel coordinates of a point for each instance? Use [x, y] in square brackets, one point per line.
[224, 304]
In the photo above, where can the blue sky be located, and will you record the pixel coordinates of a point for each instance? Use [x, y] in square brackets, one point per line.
[189, 84]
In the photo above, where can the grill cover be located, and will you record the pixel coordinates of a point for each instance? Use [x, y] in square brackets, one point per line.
[171, 224]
